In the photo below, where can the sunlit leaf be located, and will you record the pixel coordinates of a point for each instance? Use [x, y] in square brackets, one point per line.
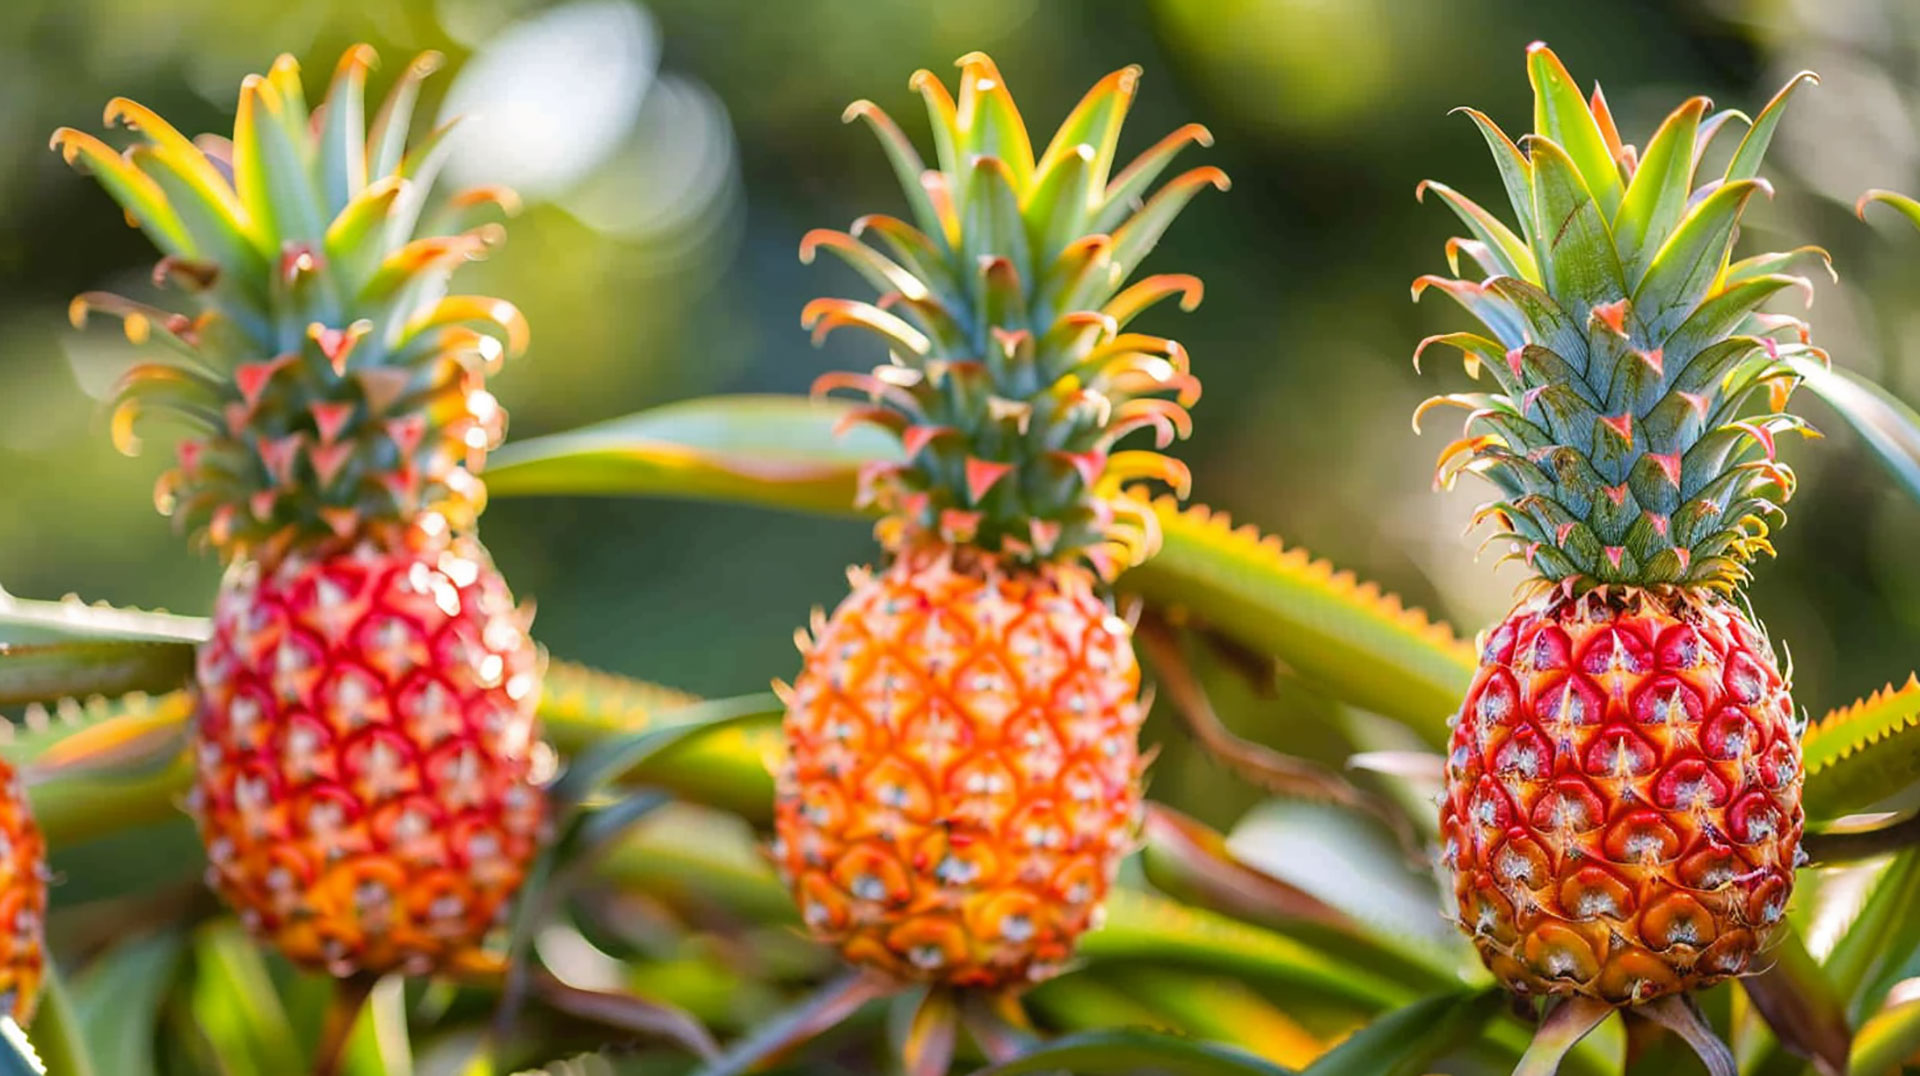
[777, 451]
[614, 757]
[1336, 632]
[379, 1044]
[1861, 754]
[1888, 426]
[1147, 928]
[1882, 934]
[236, 1008]
[1889, 1037]
[1409, 1041]
[55, 650]
[1129, 1051]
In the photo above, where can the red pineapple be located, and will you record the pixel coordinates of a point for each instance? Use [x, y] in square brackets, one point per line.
[366, 723]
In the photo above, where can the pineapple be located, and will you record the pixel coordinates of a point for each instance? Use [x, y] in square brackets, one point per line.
[1622, 818]
[962, 774]
[365, 728]
[23, 899]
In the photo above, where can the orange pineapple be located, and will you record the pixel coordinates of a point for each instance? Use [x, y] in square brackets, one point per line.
[1623, 813]
[364, 736]
[962, 775]
[23, 899]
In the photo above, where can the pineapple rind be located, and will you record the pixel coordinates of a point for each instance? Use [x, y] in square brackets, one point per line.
[1622, 818]
[1011, 374]
[962, 775]
[364, 746]
[334, 386]
[1625, 347]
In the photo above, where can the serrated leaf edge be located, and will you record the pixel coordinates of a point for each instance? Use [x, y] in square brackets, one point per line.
[1296, 562]
[1842, 720]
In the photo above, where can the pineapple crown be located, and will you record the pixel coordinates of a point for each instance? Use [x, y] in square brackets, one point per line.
[334, 387]
[1011, 375]
[1625, 345]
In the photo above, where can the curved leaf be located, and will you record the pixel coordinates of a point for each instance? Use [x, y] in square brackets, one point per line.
[236, 1007]
[611, 759]
[772, 450]
[1339, 634]
[56, 650]
[1126, 1051]
[1407, 1042]
[1889, 427]
[1888, 1038]
[1143, 927]
[119, 996]
[1861, 754]
[57, 1032]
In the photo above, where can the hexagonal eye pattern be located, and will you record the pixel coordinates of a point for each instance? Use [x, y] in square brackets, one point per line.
[1623, 804]
[364, 754]
[980, 801]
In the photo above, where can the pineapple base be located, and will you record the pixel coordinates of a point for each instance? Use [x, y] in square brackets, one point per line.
[1622, 817]
[962, 770]
[363, 750]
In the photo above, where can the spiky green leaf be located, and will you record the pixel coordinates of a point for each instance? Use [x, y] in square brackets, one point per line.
[1861, 754]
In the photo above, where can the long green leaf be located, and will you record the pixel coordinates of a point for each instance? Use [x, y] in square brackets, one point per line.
[119, 997]
[57, 1031]
[1887, 1039]
[1129, 1051]
[1861, 754]
[1339, 634]
[1881, 935]
[771, 450]
[56, 650]
[1889, 427]
[611, 759]
[1409, 1041]
[1143, 927]
[236, 1007]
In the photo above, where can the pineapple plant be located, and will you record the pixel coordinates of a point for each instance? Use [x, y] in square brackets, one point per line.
[1622, 815]
[962, 772]
[365, 729]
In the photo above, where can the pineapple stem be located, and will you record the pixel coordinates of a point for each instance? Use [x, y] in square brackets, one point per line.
[1563, 1027]
[1678, 1014]
[819, 1011]
[998, 1025]
[343, 1011]
[931, 1032]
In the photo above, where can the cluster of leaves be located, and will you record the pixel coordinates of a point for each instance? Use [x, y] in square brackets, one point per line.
[653, 930]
